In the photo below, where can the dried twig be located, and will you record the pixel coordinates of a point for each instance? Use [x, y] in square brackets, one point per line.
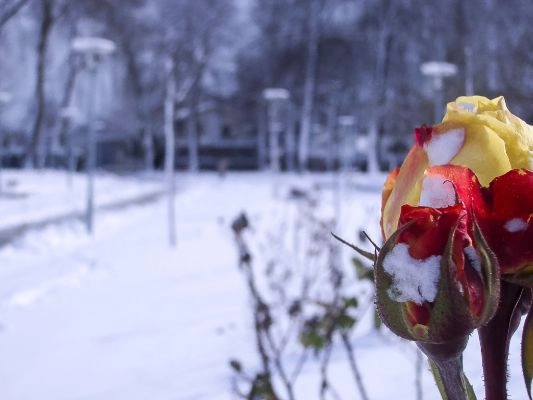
[353, 365]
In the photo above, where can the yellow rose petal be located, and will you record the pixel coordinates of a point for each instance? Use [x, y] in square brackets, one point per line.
[496, 140]
[484, 153]
[406, 189]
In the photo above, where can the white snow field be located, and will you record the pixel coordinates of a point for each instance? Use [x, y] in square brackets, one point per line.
[121, 315]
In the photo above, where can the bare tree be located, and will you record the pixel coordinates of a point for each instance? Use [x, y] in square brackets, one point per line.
[46, 22]
[294, 47]
[9, 9]
[49, 12]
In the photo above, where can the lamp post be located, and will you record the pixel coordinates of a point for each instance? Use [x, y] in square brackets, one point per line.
[346, 124]
[93, 49]
[170, 148]
[438, 70]
[290, 138]
[274, 97]
[5, 98]
[68, 115]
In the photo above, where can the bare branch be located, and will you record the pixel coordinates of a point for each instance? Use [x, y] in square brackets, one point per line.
[353, 365]
[325, 384]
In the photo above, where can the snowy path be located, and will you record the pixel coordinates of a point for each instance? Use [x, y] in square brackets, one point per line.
[123, 316]
[30, 197]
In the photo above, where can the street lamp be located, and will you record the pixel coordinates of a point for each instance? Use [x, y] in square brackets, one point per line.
[346, 124]
[68, 115]
[93, 49]
[438, 70]
[275, 97]
[344, 151]
[5, 98]
[170, 147]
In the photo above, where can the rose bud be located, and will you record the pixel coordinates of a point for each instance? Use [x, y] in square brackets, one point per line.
[434, 281]
[436, 276]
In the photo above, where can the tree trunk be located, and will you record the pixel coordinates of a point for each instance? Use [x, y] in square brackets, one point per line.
[148, 147]
[261, 137]
[290, 140]
[273, 138]
[141, 104]
[66, 121]
[464, 31]
[47, 20]
[380, 79]
[373, 133]
[192, 138]
[331, 127]
[309, 86]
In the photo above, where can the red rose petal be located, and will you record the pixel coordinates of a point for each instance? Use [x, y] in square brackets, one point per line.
[508, 227]
[423, 134]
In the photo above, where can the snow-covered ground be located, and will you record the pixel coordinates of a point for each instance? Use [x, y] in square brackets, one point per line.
[121, 315]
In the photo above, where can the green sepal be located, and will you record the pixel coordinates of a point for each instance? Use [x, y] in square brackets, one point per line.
[367, 254]
[470, 394]
[490, 273]
[450, 317]
[391, 312]
[438, 378]
[467, 389]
